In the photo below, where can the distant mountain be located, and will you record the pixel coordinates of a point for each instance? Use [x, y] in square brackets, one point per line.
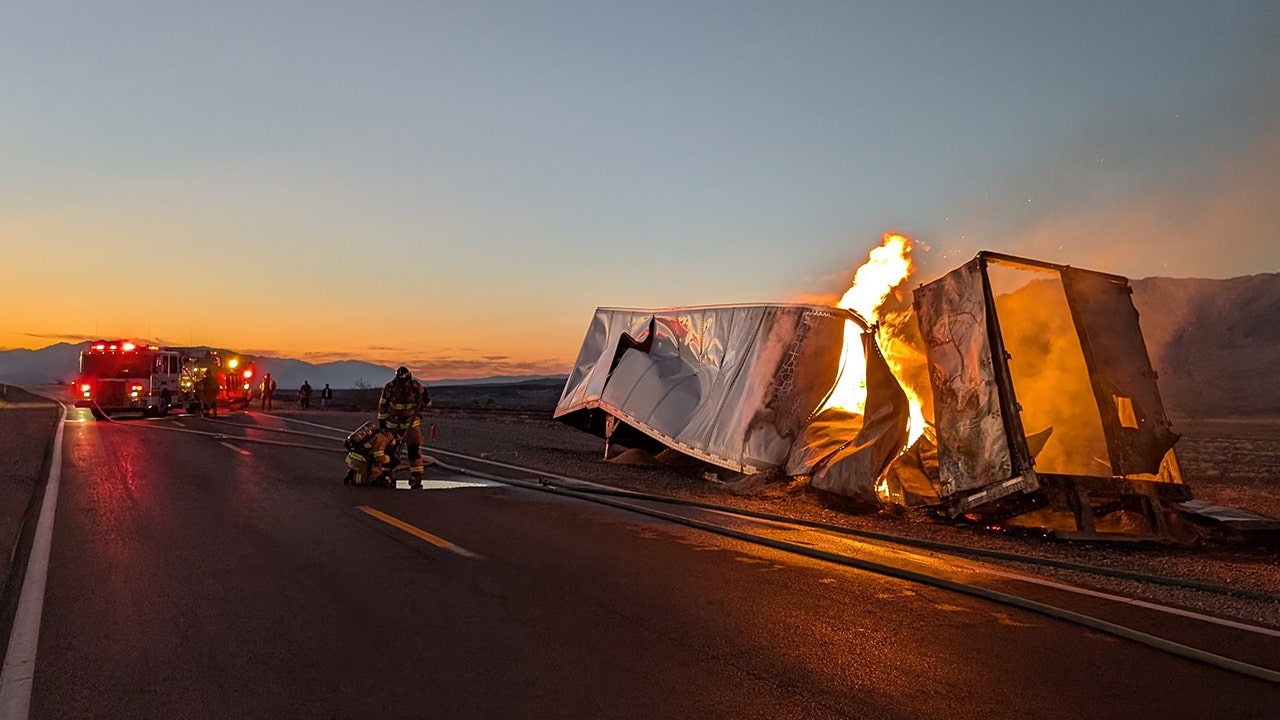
[60, 363]
[1215, 344]
[289, 374]
[54, 364]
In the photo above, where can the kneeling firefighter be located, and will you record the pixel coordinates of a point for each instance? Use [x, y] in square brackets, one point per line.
[368, 455]
[398, 407]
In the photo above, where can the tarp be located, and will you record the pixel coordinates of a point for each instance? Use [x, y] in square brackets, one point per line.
[738, 386]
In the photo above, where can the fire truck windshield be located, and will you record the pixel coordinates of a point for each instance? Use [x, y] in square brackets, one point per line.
[113, 365]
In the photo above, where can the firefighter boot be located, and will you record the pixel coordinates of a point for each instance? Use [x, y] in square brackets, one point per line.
[351, 476]
[416, 479]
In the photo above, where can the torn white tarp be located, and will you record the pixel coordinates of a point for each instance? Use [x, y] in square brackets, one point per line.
[737, 386]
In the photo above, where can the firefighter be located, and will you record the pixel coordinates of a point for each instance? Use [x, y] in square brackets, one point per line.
[368, 458]
[208, 393]
[398, 407]
[268, 389]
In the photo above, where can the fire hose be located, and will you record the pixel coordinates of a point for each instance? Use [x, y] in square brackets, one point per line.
[609, 497]
[578, 486]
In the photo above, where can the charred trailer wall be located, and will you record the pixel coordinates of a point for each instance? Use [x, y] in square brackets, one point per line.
[1047, 410]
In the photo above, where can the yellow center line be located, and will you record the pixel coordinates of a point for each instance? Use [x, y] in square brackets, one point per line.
[417, 532]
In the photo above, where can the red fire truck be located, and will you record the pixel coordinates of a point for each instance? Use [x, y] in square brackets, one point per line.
[119, 376]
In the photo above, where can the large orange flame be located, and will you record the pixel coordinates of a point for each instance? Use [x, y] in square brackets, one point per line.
[887, 266]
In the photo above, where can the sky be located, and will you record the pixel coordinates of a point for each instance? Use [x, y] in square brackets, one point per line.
[456, 186]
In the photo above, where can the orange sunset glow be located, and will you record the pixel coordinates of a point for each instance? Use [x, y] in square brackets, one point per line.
[458, 190]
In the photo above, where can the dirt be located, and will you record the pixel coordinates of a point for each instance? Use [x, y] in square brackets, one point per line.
[1233, 462]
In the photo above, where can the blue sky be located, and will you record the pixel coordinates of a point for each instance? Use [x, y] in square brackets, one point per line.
[457, 185]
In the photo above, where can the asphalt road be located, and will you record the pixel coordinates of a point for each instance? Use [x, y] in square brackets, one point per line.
[196, 577]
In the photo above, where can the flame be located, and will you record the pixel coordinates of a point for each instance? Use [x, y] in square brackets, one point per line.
[850, 392]
[898, 337]
[887, 266]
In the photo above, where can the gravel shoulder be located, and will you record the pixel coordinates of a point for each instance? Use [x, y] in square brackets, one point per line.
[27, 426]
[534, 440]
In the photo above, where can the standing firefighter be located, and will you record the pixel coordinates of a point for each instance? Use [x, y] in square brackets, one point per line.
[398, 407]
[207, 392]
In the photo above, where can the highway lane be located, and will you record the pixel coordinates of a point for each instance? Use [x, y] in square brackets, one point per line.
[194, 577]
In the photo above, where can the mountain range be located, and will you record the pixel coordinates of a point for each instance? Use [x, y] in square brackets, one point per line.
[59, 364]
[1215, 345]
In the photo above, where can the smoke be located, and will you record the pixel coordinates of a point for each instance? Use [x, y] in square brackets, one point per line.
[1191, 221]
[1186, 189]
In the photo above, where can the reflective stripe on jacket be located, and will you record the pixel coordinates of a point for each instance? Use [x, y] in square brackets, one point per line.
[400, 403]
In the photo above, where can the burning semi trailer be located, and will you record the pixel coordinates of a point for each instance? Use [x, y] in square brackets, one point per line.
[1016, 393]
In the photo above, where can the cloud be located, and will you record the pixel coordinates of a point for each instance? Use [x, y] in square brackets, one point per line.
[455, 368]
[328, 356]
[62, 337]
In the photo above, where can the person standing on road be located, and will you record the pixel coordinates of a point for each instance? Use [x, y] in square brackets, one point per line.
[208, 393]
[304, 395]
[326, 396]
[398, 407]
[166, 398]
[268, 389]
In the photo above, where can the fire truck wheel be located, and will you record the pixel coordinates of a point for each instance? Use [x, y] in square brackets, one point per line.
[98, 414]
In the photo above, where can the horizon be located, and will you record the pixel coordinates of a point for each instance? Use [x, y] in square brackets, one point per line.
[456, 188]
[830, 299]
[390, 369]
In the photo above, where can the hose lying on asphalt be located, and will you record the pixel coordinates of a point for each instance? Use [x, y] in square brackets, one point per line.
[580, 486]
[1159, 643]
[605, 496]
[239, 438]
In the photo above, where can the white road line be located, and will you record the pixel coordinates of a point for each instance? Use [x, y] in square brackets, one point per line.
[1129, 601]
[20, 659]
[242, 451]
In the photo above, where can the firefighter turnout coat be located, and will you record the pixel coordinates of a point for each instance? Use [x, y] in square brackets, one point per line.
[398, 406]
[367, 454]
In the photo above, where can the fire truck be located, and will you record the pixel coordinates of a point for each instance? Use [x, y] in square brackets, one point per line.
[119, 376]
